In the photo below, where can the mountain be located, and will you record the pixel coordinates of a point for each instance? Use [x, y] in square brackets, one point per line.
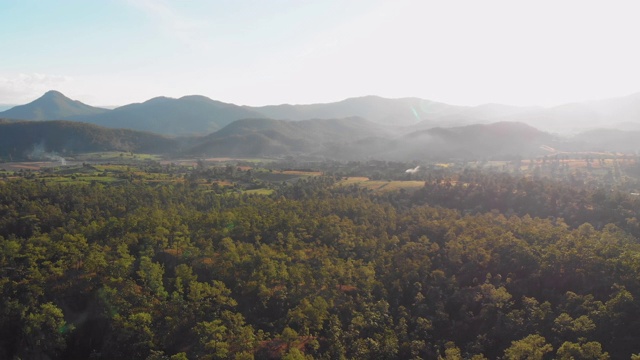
[53, 105]
[187, 115]
[36, 140]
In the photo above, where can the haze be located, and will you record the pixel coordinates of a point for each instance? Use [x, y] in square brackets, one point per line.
[258, 52]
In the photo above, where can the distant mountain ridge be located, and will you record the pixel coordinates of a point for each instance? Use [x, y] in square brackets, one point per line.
[188, 115]
[404, 111]
[576, 117]
[397, 112]
[199, 115]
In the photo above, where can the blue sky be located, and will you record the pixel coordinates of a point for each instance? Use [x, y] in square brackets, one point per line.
[464, 52]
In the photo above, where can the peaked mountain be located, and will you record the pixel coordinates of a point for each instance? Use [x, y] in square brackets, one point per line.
[188, 115]
[37, 140]
[53, 105]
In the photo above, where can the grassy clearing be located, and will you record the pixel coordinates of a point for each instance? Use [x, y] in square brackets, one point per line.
[276, 176]
[444, 165]
[353, 180]
[80, 179]
[260, 191]
[256, 160]
[302, 173]
[381, 185]
[113, 167]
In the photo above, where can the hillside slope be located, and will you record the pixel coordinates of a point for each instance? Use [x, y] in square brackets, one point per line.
[32, 140]
[356, 138]
[267, 137]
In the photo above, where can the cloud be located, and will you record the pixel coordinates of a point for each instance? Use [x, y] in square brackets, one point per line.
[174, 22]
[21, 88]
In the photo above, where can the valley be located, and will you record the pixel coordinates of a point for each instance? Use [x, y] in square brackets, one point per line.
[319, 180]
[320, 238]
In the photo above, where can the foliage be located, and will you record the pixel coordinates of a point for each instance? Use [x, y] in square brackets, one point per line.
[314, 270]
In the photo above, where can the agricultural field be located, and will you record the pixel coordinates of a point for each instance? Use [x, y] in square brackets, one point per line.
[220, 175]
[115, 156]
[382, 185]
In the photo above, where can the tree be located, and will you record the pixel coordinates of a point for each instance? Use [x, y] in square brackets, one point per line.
[44, 331]
[581, 351]
[151, 275]
[451, 352]
[532, 347]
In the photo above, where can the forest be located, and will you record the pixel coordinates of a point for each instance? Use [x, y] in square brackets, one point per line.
[475, 264]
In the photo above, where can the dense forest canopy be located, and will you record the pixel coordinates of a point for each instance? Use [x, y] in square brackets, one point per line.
[475, 264]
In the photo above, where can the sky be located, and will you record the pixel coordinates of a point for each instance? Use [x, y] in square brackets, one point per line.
[260, 52]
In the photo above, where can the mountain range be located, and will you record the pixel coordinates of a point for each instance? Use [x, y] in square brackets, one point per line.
[199, 115]
[391, 129]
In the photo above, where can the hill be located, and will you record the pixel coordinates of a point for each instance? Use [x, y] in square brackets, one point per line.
[34, 140]
[267, 137]
[357, 138]
[614, 113]
[496, 140]
[607, 140]
[53, 105]
[502, 140]
[187, 115]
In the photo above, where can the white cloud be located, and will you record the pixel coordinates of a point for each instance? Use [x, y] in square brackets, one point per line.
[172, 21]
[21, 88]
